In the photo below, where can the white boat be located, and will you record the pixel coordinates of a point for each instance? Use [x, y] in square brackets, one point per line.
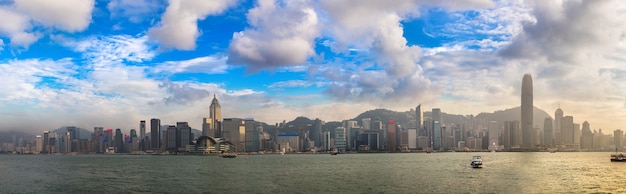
[552, 150]
[477, 162]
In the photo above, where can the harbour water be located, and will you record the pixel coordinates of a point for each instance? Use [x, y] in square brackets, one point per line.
[503, 172]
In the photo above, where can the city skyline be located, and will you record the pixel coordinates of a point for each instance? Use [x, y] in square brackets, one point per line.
[113, 63]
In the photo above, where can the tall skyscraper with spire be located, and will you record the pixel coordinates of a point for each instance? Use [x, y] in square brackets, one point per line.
[527, 111]
[215, 113]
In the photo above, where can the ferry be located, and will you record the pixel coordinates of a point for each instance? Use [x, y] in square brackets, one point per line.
[618, 158]
[477, 162]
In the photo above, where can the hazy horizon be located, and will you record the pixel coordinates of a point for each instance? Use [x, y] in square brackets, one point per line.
[113, 63]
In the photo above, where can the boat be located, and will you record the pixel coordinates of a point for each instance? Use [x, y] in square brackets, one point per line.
[477, 162]
[552, 150]
[618, 158]
[334, 152]
[227, 155]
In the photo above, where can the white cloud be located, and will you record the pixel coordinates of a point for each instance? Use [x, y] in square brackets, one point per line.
[15, 26]
[67, 15]
[179, 24]
[105, 50]
[215, 64]
[281, 34]
[290, 84]
[21, 17]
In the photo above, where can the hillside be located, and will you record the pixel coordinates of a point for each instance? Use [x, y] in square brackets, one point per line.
[514, 114]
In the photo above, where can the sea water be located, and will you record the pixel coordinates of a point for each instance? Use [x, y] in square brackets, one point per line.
[502, 172]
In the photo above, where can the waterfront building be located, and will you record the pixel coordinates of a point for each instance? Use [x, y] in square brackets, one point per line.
[419, 119]
[412, 138]
[39, 146]
[567, 130]
[234, 130]
[576, 134]
[423, 142]
[170, 137]
[251, 136]
[391, 136]
[183, 135]
[512, 134]
[316, 133]
[142, 136]
[46, 141]
[370, 138]
[436, 139]
[119, 141]
[586, 140]
[133, 142]
[558, 130]
[618, 139]
[493, 129]
[155, 134]
[328, 141]
[287, 142]
[404, 140]
[527, 111]
[340, 138]
[548, 132]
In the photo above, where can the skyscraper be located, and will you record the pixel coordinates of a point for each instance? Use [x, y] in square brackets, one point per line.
[215, 112]
[155, 134]
[618, 138]
[527, 111]
[119, 141]
[419, 119]
[317, 132]
[142, 135]
[391, 136]
[558, 117]
[548, 132]
[567, 130]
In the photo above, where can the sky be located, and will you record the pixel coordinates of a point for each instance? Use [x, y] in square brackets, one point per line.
[112, 63]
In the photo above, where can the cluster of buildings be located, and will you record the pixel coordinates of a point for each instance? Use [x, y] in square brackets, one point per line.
[366, 135]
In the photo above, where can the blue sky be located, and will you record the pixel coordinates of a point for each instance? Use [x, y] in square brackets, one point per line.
[112, 63]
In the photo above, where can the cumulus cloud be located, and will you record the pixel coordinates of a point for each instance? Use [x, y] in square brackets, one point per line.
[15, 26]
[179, 24]
[281, 34]
[67, 15]
[561, 31]
[21, 17]
[182, 93]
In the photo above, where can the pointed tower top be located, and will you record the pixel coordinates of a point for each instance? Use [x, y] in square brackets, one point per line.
[214, 101]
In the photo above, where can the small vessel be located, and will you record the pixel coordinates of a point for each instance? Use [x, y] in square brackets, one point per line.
[477, 162]
[228, 155]
[334, 152]
[552, 150]
[618, 158]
